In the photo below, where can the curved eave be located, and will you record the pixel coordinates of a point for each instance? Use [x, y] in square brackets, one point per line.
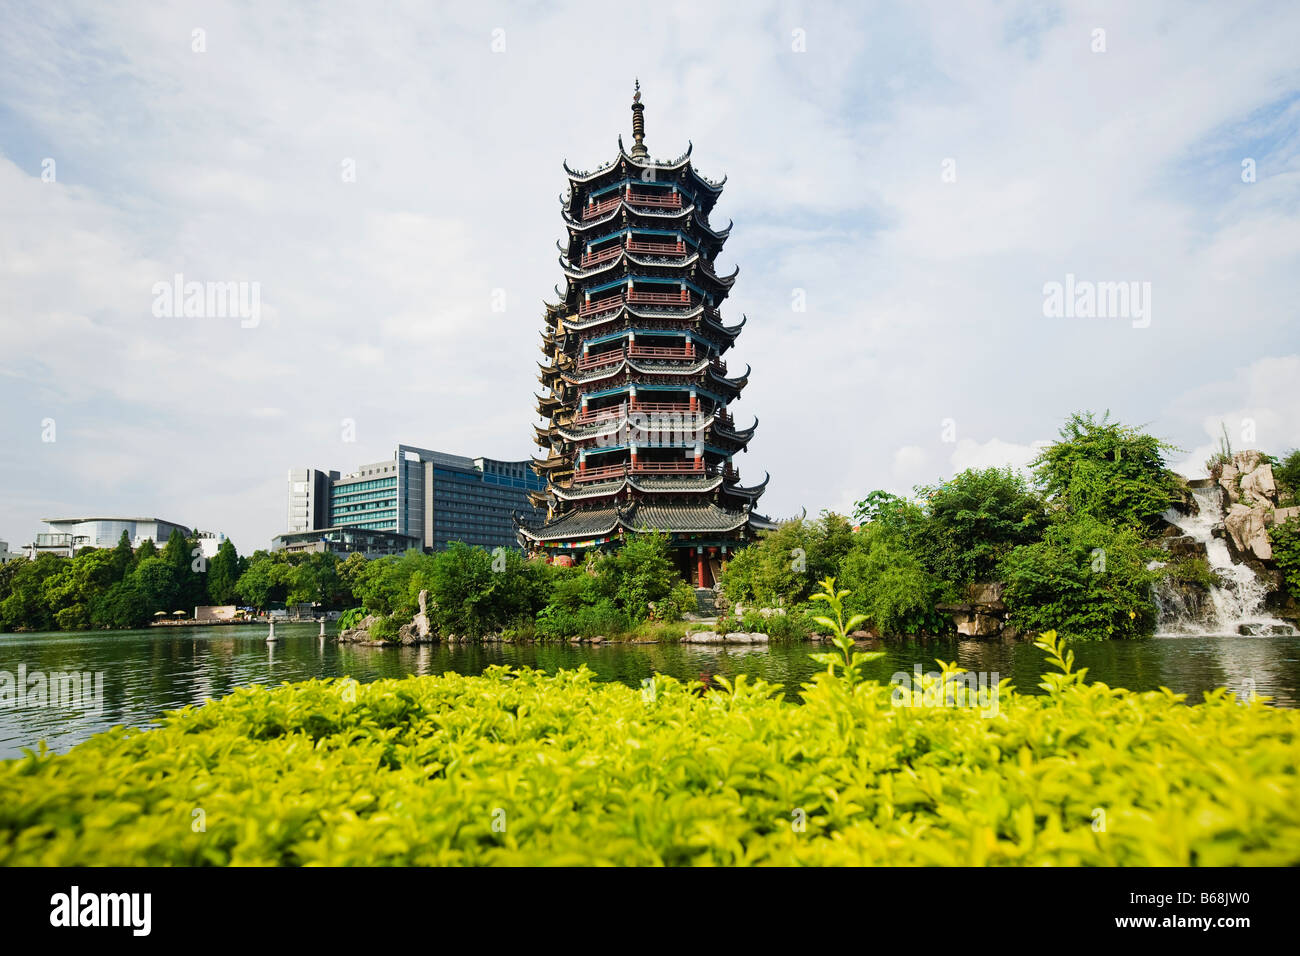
[752, 492]
[742, 435]
[582, 225]
[736, 383]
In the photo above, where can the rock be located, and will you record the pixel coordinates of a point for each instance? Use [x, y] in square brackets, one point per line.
[1282, 515]
[598, 639]
[1258, 485]
[1246, 527]
[423, 630]
[1185, 546]
[359, 634]
[981, 625]
[1228, 481]
[1247, 460]
[988, 593]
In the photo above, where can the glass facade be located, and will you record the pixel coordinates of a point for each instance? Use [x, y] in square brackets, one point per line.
[430, 497]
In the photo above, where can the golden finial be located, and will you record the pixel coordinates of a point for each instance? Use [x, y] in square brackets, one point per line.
[638, 124]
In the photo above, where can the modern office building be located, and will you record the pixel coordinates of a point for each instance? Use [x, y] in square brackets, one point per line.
[309, 499]
[6, 555]
[68, 535]
[427, 497]
[345, 541]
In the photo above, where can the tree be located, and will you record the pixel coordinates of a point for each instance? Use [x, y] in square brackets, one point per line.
[890, 585]
[783, 566]
[223, 573]
[643, 573]
[972, 521]
[1086, 579]
[1113, 472]
[123, 557]
[154, 580]
[266, 581]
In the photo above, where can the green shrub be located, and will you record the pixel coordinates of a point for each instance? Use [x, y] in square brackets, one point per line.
[783, 566]
[973, 520]
[351, 617]
[890, 587]
[1086, 579]
[1285, 539]
[1287, 473]
[384, 629]
[1113, 472]
[518, 767]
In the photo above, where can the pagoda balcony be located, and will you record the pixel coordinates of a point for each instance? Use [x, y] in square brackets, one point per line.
[595, 360]
[654, 352]
[601, 305]
[591, 416]
[664, 408]
[657, 248]
[605, 255]
[659, 298]
[592, 210]
[719, 366]
[671, 201]
[603, 473]
[691, 467]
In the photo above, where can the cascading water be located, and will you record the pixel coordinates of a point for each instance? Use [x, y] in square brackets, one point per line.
[1236, 604]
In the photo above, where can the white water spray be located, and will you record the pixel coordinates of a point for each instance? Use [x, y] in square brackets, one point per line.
[1237, 603]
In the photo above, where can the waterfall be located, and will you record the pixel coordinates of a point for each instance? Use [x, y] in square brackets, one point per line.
[1236, 604]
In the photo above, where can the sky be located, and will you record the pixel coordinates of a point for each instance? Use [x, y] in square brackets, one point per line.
[907, 181]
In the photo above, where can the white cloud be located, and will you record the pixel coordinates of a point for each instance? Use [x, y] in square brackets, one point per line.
[924, 297]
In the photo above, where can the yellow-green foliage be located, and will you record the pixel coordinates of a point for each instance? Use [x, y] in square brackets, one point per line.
[417, 771]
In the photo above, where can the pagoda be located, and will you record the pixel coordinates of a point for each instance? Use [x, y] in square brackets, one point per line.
[638, 433]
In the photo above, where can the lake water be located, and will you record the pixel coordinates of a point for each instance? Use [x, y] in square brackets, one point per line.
[149, 671]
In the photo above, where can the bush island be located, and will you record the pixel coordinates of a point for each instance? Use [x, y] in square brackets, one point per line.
[573, 771]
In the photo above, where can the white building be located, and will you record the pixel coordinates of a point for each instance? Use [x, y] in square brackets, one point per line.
[67, 535]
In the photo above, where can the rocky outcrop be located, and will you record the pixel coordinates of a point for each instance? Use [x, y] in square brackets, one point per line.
[984, 614]
[1252, 509]
[731, 637]
[359, 634]
[418, 631]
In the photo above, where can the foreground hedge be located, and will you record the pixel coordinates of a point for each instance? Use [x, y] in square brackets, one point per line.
[418, 771]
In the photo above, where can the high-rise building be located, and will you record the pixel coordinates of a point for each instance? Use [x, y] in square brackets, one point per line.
[418, 498]
[639, 433]
[309, 499]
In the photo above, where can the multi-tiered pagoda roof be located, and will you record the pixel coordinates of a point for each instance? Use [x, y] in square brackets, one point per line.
[638, 431]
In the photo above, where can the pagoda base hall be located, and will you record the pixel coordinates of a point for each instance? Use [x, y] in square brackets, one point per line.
[638, 432]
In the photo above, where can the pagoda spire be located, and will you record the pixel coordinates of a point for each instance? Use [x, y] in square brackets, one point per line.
[638, 124]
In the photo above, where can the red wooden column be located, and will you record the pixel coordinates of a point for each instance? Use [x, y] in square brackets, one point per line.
[699, 566]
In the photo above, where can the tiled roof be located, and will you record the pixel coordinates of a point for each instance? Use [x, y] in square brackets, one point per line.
[645, 516]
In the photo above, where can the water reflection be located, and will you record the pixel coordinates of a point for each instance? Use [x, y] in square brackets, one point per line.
[148, 672]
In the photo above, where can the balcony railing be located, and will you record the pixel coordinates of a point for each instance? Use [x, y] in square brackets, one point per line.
[596, 258]
[592, 210]
[601, 305]
[685, 467]
[655, 352]
[671, 201]
[657, 248]
[597, 474]
[691, 467]
[591, 416]
[594, 360]
[660, 298]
